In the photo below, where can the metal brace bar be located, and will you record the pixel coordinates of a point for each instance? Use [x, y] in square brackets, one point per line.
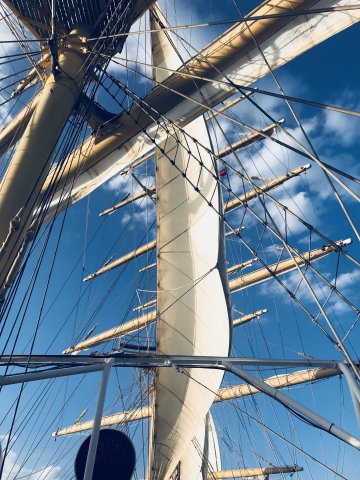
[90, 460]
[292, 404]
[353, 387]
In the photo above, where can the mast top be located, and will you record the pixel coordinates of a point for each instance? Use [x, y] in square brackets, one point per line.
[103, 18]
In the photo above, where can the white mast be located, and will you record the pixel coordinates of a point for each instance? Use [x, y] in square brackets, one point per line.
[193, 314]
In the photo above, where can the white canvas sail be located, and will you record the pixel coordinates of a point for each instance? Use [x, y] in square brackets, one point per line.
[281, 41]
[202, 457]
[192, 300]
[44, 311]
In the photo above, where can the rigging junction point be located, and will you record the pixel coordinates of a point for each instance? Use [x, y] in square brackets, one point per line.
[227, 66]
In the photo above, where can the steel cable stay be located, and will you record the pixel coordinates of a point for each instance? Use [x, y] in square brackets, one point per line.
[33, 444]
[120, 16]
[52, 458]
[243, 177]
[41, 212]
[277, 234]
[253, 18]
[253, 90]
[46, 200]
[260, 249]
[34, 337]
[31, 450]
[22, 41]
[248, 180]
[303, 151]
[52, 422]
[250, 18]
[241, 90]
[283, 208]
[6, 450]
[305, 310]
[290, 251]
[229, 364]
[306, 136]
[270, 441]
[74, 179]
[73, 309]
[267, 428]
[271, 404]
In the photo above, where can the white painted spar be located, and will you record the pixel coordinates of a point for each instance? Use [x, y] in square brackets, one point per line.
[193, 314]
[234, 56]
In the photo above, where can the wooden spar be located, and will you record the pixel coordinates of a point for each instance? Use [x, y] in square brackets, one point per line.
[227, 104]
[231, 205]
[241, 266]
[134, 325]
[122, 260]
[235, 55]
[239, 321]
[143, 269]
[224, 394]
[138, 162]
[234, 232]
[22, 184]
[247, 318]
[235, 285]
[116, 332]
[233, 269]
[145, 306]
[253, 472]
[123, 417]
[249, 140]
[37, 71]
[266, 187]
[281, 268]
[277, 381]
[148, 192]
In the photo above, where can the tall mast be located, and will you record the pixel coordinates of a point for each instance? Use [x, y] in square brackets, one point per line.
[30, 165]
[42, 122]
[192, 311]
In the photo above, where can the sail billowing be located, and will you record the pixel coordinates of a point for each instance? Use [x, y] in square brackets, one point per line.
[193, 314]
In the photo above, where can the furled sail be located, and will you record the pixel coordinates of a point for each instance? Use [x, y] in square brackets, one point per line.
[192, 295]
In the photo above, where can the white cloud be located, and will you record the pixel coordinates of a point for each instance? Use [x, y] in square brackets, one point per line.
[14, 471]
[142, 210]
[344, 128]
[300, 204]
[126, 185]
[136, 49]
[347, 280]
[347, 284]
[143, 213]
[341, 128]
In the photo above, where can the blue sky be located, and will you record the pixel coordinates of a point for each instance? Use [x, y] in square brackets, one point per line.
[329, 73]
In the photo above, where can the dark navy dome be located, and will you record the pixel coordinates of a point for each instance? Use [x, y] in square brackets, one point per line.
[115, 457]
